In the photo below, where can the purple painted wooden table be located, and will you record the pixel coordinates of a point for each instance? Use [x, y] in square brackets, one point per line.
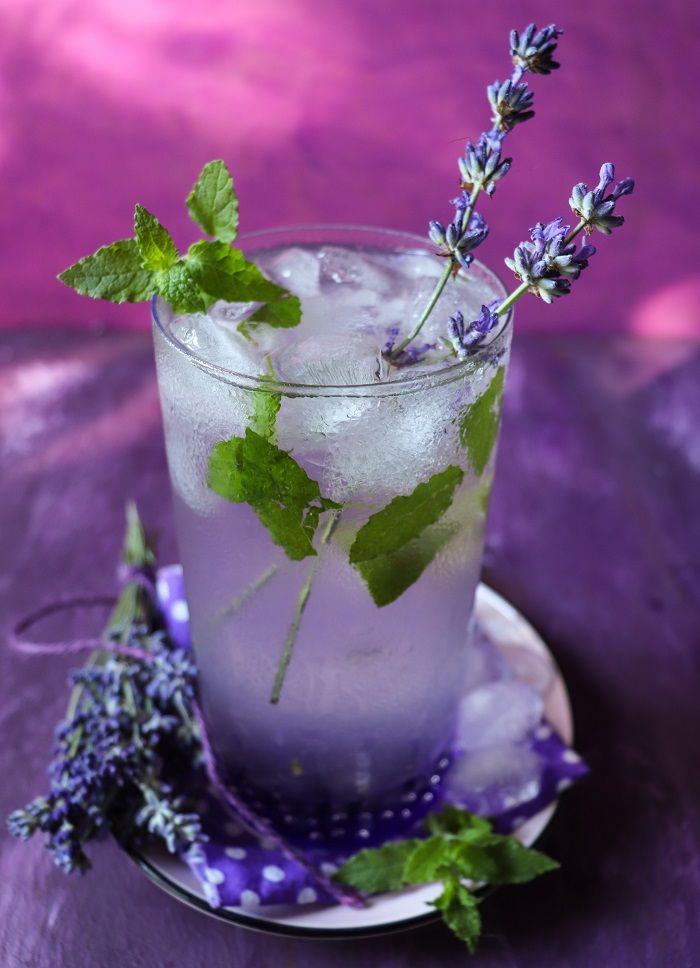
[594, 534]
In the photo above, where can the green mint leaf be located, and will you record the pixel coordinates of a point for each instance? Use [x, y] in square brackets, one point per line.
[460, 912]
[426, 860]
[115, 272]
[253, 286]
[213, 204]
[505, 861]
[405, 518]
[283, 313]
[253, 470]
[266, 406]
[378, 869]
[224, 273]
[452, 822]
[155, 244]
[478, 428]
[177, 286]
[482, 855]
[217, 269]
[388, 576]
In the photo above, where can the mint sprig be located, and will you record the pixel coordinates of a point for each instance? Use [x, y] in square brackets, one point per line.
[254, 471]
[134, 270]
[478, 429]
[394, 547]
[461, 852]
[213, 203]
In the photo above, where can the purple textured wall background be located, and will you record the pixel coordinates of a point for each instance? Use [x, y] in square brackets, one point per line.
[335, 111]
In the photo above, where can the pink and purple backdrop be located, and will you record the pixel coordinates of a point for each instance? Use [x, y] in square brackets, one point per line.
[329, 110]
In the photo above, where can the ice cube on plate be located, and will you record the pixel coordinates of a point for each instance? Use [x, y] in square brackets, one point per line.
[493, 780]
[496, 713]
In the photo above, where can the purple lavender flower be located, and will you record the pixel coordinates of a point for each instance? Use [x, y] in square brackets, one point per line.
[532, 50]
[465, 338]
[160, 816]
[457, 241]
[408, 356]
[548, 262]
[511, 103]
[108, 755]
[594, 207]
[482, 164]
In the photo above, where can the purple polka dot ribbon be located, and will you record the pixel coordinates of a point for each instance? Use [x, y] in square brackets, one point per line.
[509, 782]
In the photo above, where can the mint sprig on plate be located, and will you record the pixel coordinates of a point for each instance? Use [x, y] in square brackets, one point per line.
[462, 853]
[134, 270]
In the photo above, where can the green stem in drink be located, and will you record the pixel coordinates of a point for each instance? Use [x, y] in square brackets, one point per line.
[285, 658]
[441, 283]
[255, 585]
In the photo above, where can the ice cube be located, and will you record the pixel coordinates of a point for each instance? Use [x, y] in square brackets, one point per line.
[297, 269]
[356, 270]
[496, 713]
[198, 409]
[490, 781]
[214, 337]
[336, 359]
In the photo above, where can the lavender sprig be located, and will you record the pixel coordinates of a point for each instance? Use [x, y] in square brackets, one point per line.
[458, 241]
[465, 337]
[548, 263]
[483, 164]
[108, 754]
[125, 719]
[597, 209]
[511, 102]
[532, 50]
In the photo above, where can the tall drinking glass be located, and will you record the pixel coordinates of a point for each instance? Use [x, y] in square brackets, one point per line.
[363, 655]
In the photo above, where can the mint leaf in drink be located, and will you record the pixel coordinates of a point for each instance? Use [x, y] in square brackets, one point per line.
[217, 269]
[253, 286]
[405, 517]
[115, 272]
[213, 204]
[177, 286]
[388, 576]
[288, 503]
[460, 847]
[265, 409]
[155, 244]
[460, 911]
[391, 550]
[479, 425]
[282, 313]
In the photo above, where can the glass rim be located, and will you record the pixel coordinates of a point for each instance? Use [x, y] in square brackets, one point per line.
[412, 381]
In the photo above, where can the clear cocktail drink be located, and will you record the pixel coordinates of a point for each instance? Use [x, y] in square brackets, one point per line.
[331, 679]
